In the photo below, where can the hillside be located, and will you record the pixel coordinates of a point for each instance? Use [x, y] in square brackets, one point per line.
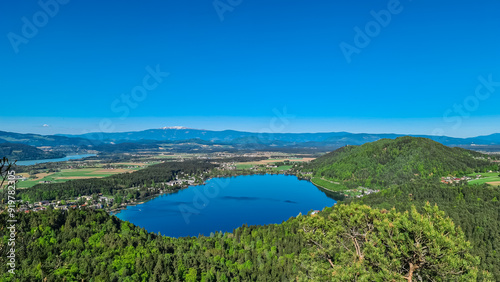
[21, 152]
[397, 161]
[475, 209]
[88, 245]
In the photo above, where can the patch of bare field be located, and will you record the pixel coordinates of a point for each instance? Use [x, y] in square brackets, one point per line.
[42, 175]
[494, 183]
[79, 177]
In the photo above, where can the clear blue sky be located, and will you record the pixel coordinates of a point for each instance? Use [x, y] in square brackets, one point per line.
[235, 71]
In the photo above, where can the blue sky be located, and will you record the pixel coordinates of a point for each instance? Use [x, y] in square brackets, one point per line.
[236, 68]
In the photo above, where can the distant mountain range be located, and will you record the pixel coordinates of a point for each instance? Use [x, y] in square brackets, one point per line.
[230, 137]
[241, 137]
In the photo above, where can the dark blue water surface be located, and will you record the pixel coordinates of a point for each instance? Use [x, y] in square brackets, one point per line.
[67, 158]
[223, 204]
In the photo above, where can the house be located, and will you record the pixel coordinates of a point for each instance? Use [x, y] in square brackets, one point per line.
[43, 203]
[87, 198]
[105, 199]
[19, 178]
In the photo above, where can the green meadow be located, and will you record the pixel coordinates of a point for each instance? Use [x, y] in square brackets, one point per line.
[244, 166]
[283, 167]
[486, 177]
[69, 174]
[330, 185]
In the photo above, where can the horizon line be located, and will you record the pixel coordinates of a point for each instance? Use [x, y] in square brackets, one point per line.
[253, 132]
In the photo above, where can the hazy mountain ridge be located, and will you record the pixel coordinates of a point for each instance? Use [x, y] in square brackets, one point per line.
[337, 138]
[230, 137]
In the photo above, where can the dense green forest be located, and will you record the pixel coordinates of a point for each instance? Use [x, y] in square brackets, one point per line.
[21, 152]
[398, 161]
[345, 242]
[152, 176]
[476, 209]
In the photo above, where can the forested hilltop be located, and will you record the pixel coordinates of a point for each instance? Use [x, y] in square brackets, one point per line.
[21, 152]
[385, 162]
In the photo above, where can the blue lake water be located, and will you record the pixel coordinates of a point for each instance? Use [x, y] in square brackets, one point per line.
[223, 204]
[67, 158]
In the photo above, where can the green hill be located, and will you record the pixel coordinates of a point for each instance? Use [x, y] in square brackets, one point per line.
[397, 161]
[21, 152]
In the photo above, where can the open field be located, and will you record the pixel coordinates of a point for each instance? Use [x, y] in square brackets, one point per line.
[244, 166]
[492, 178]
[283, 167]
[330, 185]
[70, 174]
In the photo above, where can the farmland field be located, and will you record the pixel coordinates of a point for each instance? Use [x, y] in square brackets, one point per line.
[244, 166]
[283, 167]
[69, 174]
[492, 178]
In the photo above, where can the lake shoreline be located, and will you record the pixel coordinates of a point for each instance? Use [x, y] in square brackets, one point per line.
[254, 200]
[337, 195]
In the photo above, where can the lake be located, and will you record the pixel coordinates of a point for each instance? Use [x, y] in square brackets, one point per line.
[67, 158]
[223, 204]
